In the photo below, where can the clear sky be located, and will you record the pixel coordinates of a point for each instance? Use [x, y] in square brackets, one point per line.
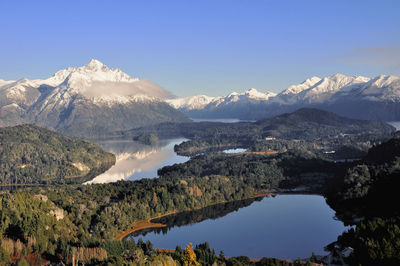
[203, 47]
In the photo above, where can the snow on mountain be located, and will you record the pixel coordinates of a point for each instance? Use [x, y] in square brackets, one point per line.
[93, 81]
[249, 96]
[202, 101]
[192, 102]
[352, 96]
[5, 82]
[382, 88]
[23, 92]
[297, 88]
[102, 84]
[81, 77]
[255, 94]
[320, 90]
[87, 100]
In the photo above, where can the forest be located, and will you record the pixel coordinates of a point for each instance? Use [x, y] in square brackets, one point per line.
[368, 193]
[55, 222]
[58, 222]
[33, 155]
[65, 222]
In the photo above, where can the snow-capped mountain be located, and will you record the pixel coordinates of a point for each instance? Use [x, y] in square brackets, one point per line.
[316, 90]
[246, 97]
[297, 88]
[382, 88]
[202, 101]
[191, 102]
[85, 101]
[353, 96]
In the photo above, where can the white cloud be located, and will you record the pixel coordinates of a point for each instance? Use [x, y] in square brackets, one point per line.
[123, 89]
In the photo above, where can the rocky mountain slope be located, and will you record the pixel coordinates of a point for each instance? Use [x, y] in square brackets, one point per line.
[351, 96]
[90, 101]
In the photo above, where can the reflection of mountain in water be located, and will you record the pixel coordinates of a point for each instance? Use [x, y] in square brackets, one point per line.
[135, 160]
[190, 217]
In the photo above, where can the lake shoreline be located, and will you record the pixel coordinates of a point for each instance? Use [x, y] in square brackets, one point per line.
[143, 224]
[148, 223]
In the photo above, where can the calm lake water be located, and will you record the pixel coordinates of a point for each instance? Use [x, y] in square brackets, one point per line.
[237, 150]
[285, 226]
[136, 161]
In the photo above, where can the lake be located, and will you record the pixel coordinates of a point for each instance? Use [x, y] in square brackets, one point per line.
[237, 150]
[136, 161]
[286, 226]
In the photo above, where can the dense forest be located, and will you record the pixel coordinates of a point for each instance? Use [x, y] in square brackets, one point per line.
[367, 196]
[33, 155]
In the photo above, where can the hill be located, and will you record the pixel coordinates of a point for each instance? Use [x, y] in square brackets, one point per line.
[302, 123]
[308, 123]
[33, 155]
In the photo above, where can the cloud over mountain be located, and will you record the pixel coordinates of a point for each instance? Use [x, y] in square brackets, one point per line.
[89, 100]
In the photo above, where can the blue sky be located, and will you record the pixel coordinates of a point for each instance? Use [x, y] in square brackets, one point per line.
[203, 47]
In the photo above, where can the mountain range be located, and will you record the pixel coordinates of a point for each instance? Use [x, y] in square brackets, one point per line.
[94, 100]
[351, 96]
[89, 101]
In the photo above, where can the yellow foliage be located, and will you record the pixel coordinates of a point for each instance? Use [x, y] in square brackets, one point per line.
[189, 257]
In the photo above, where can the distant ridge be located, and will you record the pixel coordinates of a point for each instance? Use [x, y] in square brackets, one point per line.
[351, 96]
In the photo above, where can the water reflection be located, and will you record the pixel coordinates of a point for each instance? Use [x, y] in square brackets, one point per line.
[190, 217]
[135, 160]
[285, 226]
[237, 150]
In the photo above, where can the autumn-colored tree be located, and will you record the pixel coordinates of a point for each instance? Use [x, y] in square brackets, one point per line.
[189, 257]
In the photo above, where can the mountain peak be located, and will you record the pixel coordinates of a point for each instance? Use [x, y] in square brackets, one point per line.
[95, 64]
[338, 76]
[297, 88]
[254, 93]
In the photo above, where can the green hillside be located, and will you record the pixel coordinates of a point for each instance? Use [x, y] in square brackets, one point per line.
[33, 155]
